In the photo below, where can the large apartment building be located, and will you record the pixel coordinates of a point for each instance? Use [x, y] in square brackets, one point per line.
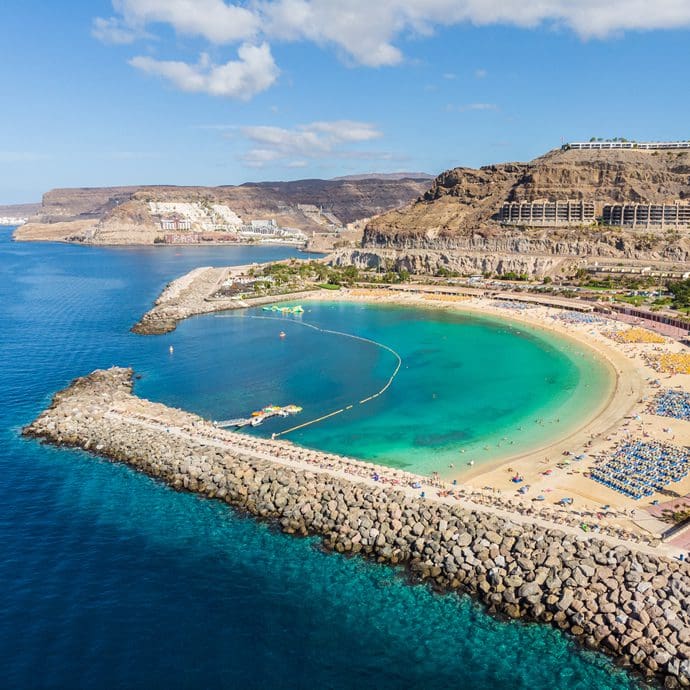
[547, 213]
[648, 215]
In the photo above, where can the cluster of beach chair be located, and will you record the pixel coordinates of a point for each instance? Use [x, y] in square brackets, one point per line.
[436, 297]
[638, 469]
[635, 335]
[577, 317]
[670, 362]
[515, 305]
[671, 403]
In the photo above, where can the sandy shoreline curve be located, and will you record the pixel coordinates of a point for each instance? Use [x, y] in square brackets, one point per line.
[547, 469]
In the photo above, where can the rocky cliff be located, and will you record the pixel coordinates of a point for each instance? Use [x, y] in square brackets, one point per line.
[121, 215]
[455, 223]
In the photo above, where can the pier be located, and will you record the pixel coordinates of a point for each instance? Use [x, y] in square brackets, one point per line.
[345, 408]
[610, 590]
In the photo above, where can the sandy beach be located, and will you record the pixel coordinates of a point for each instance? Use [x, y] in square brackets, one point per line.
[558, 468]
[623, 415]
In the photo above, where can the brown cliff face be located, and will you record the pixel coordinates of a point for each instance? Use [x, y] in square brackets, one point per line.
[85, 203]
[457, 216]
[119, 215]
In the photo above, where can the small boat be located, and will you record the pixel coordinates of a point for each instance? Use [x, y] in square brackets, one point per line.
[171, 349]
[282, 334]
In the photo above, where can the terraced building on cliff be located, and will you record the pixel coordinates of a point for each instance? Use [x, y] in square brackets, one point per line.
[675, 215]
[547, 213]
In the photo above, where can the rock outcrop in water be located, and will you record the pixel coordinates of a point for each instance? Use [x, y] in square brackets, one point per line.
[454, 225]
[614, 596]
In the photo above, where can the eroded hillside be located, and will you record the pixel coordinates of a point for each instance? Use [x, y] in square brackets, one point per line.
[456, 225]
[122, 215]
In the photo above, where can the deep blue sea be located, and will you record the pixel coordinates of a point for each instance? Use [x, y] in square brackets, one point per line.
[111, 580]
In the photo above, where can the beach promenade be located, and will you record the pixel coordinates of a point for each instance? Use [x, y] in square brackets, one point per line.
[610, 587]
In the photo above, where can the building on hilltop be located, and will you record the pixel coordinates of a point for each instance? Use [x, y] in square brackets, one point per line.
[643, 145]
[607, 270]
[12, 220]
[309, 208]
[676, 215]
[190, 238]
[263, 225]
[547, 213]
[176, 223]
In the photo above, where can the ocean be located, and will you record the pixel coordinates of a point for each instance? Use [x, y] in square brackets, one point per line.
[112, 580]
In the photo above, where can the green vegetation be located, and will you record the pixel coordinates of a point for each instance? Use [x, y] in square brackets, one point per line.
[444, 272]
[680, 292]
[314, 273]
[511, 275]
[635, 300]
[679, 514]
[584, 278]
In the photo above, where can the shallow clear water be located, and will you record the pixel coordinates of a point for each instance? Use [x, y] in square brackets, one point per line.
[468, 388]
[111, 580]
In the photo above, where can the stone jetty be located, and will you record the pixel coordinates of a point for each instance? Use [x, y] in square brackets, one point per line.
[620, 598]
[195, 293]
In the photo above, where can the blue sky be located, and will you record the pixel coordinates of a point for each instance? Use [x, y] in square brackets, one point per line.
[210, 92]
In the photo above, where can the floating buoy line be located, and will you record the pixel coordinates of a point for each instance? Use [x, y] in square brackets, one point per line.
[345, 335]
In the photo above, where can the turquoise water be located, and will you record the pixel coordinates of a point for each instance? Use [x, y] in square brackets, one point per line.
[111, 580]
[468, 388]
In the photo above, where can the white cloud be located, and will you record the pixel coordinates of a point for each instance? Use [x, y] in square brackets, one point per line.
[113, 31]
[291, 147]
[366, 32]
[254, 72]
[217, 21]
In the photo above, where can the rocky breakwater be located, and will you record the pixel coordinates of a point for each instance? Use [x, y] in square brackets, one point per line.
[180, 299]
[194, 293]
[610, 595]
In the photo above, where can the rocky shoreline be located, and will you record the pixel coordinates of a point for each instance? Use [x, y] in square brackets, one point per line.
[618, 598]
[191, 294]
